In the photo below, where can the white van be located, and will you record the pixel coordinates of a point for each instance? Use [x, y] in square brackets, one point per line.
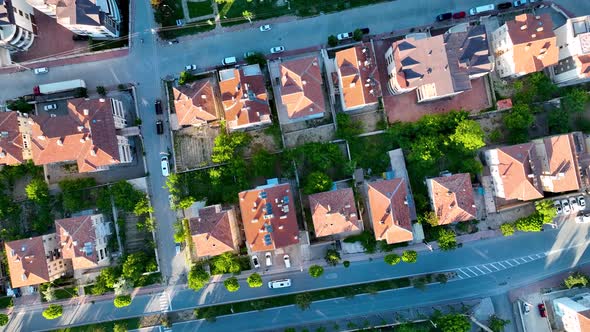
[229, 61]
[279, 283]
[481, 9]
[165, 166]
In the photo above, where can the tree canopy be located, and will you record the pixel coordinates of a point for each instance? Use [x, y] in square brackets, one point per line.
[446, 239]
[410, 256]
[122, 301]
[317, 182]
[316, 271]
[197, 277]
[453, 323]
[392, 259]
[53, 311]
[37, 190]
[226, 263]
[468, 135]
[303, 300]
[134, 265]
[231, 284]
[576, 279]
[332, 257]
[3, 319]
[254, 280]
[575, 101]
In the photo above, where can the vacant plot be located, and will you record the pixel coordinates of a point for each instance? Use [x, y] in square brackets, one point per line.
[198, 9]
[193, 146]
[231, 12]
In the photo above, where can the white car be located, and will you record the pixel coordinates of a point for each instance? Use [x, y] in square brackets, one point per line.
[519, 3]
[583, 219]
[255, 261]
[50, 107]
[557, 207]
[582, 202]
[265, 27]
[190, 67]
[574, 204]
[279, 283]
[344, 35]
[43, 70]
[268, 257]
[566, 206]
[287, 261]
[165, 166]
[277, 49]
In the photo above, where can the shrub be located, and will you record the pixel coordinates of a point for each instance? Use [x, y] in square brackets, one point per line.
[303, 300]
[442, 278]
[53, 311]
[254, 280]
[332, 41]
[446, 239]
[316, 271]
[507, 229]
[231, 284]
[121, 87]
[101, 90]
[332, 257]
[392, 259]
[576, 279]
[357, 34]
[122, 301]
[410, 256]
[3, 319]
[197, 278]
[346, 263]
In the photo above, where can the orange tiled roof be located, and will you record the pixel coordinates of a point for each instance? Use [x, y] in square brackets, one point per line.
[302, 87]
[334, 212]
[87, 134]
[534, 42]
[11, 141]
[562, 164]
[211, 231]
[358, 69]
[390, 214]
[584, 319]
[268, 214]
[452, 198]
[583, 64]
[519, 170]
[76, 235]
[27, 262]
[194, 103]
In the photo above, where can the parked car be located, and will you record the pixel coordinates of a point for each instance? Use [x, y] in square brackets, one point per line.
[282, 283]
[566, 206]
[542, 310]
[505, 5]
[287, 261]
[159, 127]
[482, 9]
[574, 204]
[173, 41]
[158, 105]
[365, 31]
[249, 54]
[444, 17]
[583, 218]
[268, 257]
[526, 308]
[230, 60]
[265, 27]
[344, 35]
[519, 3]
[177, 248]
[190, 67]
[255, 261]
[277, 49]
[557, 205]
[582, 202]
[165, 166]
[50, 107]
[459, 15]
[42, 70]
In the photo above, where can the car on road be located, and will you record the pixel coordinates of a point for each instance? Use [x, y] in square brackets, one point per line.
[557, 205]
[574, 204]
[582, 202]
[268, 257]
[265, 27]
[42, 70]
[482, 9]
[158, 105]
[249, 54]
[505, 5]
[459, 15]
[50, 107]
[287, 261]
[277, 49]
[190, 67]
[255, 261]
[566, 206]
[177, 248]
[542, 310]
[159, 127]
[444, 17]
[365, 31]
[165, 166]
[519, 3]
[230, 60]
[282, 283]
[344, 35]
[173, 41]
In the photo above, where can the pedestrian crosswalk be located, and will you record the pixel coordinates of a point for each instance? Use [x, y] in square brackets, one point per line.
[482, 269]
[164, 304]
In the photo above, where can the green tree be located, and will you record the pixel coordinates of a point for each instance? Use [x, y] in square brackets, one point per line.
[226, 263]
[303, 300]
[110, 276]
[420, 283]
[347, 128]
[497, 324]
[143, 207]
[37, 190]
[392, 259]
[228, 146]
[357, 35]
[546, 210]
[20, 105]
[558, 121]
[197, 277]
[332, 257]
[179, 231]
[518, 121]
[575, 101]
[428, 217]
[134, 266]
[3, 319]
[186, 202]
[409, 256]
[263, 163]
[332, 41]
[247, 15]
[49, 293]
[316, 271]
[231, 284]
[507, 229]
[185, 77]
[576, 279]
[120, 327]
[446, 239]
[254, 280]
[53, 311]
[122, 301]
[453, 323]
[425, 150]
[442, 278]
[125, 196]
[317, 182]
[73, 193]
[532, 223]
[468, 135]
[256, 58]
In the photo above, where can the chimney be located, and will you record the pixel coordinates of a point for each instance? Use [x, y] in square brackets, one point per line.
[329, 208]
[523, 27]
[75, 243]
[86, 111]
[60, 142]
[93, 152]
[82, 140]
[41, 137]
[315, 63]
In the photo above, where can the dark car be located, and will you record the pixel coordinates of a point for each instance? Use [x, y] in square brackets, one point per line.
[365, 31]
[459, 15]
[158, 106]
[159, 127]
[505, 5]
[542, 310]
[444, 17]
[79, 37]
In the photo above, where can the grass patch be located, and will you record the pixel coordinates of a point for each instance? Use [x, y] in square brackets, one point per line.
[6, 302]
[231, 11]
[150, 279]
[371, 152]
[189, 29]
[66, 293]
[196, 9]
[348, 291]
[310, 7]
[131, 324]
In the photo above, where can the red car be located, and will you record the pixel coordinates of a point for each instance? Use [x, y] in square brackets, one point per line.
[459, 15]
[542, 310]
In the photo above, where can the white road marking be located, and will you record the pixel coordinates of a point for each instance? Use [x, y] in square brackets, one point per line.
[470, 270]
[507, 262]
[502, 265]
[479, 270]
[486, 268]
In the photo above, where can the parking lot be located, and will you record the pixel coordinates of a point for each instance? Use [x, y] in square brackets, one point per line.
[277, 260]
[530, 314]
[572, 207]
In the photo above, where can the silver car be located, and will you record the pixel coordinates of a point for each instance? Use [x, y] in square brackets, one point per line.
[277, 49]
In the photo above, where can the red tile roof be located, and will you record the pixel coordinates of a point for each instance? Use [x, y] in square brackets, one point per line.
[534, 42]
[244, 97]
[90, 138]
[504, 104]
[194, 103]
[518, 170]
[560, 165]
[334, 212]
[360, 82]
[75, 234]
[11, 141]
[584, 319]
[390, 214]
[27, 262]
[211, 231]
[452, 198]
[583, 64]
[268, 229]
[302, 87]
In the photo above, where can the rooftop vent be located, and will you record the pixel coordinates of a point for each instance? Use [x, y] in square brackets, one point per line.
[523, 27]
[60, 142]
[86, 111]
[203, 96]
[539, 29]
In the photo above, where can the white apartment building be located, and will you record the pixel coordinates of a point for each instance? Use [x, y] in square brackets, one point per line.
[17, 30]
[573, 42]
[574, 312]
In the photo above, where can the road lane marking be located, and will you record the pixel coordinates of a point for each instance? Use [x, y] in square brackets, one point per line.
[465, 273]
[486, 268]
[470, 270]
[502, 265]
[479, 270]
[515, 262]
[507, 262]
